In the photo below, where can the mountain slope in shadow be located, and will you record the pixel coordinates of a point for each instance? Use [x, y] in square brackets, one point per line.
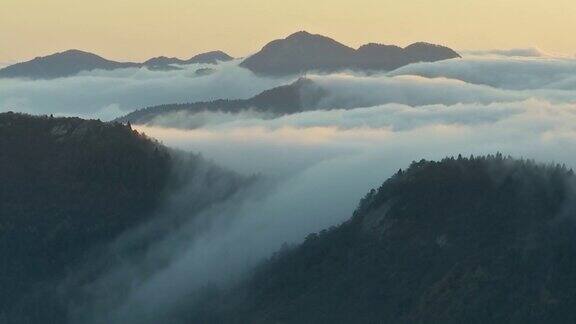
[479, 240]
[71, 186]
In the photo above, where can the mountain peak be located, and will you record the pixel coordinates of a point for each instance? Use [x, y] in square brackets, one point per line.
[370, 46]
[302, 52]
[427, 52]
[212, 57]
[70, 54]
[300, 34]
[304, 36]
[74, 61]
[161, 60]
[299, 53]
[61, 64]
[74, 52]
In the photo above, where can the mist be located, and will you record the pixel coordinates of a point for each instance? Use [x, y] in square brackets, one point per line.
[313, 167]
[511, 73]
[518, 52]
[320, 173]
[308, 170]
[109, 94]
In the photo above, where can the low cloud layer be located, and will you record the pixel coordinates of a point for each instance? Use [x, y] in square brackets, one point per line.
[110, 94]
[513, 52]
[321, 163]
[480, 78]
[502, 73]
[316, 165]
[462, 128]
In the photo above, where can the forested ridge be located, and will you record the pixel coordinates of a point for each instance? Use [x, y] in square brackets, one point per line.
[465, 240]
[69, 186]
[302, 95]
[488, 239]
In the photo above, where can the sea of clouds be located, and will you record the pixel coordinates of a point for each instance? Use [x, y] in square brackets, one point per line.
[317, 164]
[109, 94]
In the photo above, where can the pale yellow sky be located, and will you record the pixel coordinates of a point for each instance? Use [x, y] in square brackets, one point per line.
[140, 29]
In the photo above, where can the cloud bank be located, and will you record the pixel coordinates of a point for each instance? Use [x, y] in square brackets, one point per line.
[502, 73]
[110, 94]
[315, 165]
[321, 163]
[478, 78]
[513, 52]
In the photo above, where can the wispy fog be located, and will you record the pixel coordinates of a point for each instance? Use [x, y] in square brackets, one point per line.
[518, 52]
[314, 166]
[484, 77]
[502, 72]
[323, 162]
[319, 163]
[110, 94]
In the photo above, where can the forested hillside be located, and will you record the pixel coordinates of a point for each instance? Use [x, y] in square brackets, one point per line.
[465, 240]
[69, 186]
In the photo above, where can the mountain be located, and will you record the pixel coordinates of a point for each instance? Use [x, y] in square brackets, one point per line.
[69, 187]
[210, 58]
[299, 52]
[299, 96]
[72, 62]
[464, 240]
[304, 52]
[165, 63]
[61, 65]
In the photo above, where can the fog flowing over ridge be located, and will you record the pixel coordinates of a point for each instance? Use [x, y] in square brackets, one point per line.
[321, 163]
[313, 166]
[477, 80]
[325, 161]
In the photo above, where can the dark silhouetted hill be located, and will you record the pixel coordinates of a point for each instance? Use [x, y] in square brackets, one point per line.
[210, 58]
[299, 96]
[303, 52]
[163, 63]
[69, 186]
[72, 62]
[61, 65]
[166, 63]
[479, 240]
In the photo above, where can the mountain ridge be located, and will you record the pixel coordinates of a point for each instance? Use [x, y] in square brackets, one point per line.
[487, 239]
[298, 53]
[303, 52]
[72, 62]
[301, 95]
[71, 187]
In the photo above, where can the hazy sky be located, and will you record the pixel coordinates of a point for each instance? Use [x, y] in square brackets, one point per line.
[139, 29]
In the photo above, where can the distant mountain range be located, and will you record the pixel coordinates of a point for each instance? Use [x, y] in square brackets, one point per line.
[303, 52]
[72, 62]
[298, 53]
[301, 95]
